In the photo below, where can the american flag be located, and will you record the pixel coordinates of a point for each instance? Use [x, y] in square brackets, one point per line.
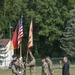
[20, 30]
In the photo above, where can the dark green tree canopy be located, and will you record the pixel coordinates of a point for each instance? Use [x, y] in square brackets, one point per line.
[68, 39]
[49, 16]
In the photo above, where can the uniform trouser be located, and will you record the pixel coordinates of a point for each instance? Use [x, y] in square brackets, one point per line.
[32, 72]
[50, 73]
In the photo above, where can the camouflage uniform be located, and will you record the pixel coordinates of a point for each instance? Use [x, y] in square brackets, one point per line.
[32, 64]
[45, 70]
[21, 67]
[50, 65]
[14, 68]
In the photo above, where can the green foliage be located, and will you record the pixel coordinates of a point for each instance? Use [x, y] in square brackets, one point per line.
[38, 71]
[49, 16]
[10, 11]
[68, 39]
[54, 16]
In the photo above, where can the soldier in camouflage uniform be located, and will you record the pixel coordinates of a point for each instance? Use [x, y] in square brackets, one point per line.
[17, 66]
[14, 57]
[31, 64]
[50, 65]
[14, 68]
[45, 70]
[20, 65]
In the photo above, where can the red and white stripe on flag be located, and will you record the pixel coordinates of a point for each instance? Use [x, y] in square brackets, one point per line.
[30, 39]
[20, 31]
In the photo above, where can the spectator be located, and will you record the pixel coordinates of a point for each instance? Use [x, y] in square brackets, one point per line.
[65, 68]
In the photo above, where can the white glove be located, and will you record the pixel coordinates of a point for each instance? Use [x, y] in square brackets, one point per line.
[20, 58]
[20, 72]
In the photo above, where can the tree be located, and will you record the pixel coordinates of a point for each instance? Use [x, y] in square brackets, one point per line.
[49, 18]
[9, 13]
[68, 39]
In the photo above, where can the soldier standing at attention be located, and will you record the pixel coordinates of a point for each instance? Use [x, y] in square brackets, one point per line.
[45, 70]
[50, 65]
[31, 64]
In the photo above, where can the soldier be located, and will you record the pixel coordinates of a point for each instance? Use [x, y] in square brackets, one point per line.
[45, 70]
[17, 65]
[14, 68]
[50, 65]
[14, 57]
[20, 65]
[31, 64]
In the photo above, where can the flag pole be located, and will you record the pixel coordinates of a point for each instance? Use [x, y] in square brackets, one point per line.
[20, 35]
[27, 56]
[20, 49]
[28, 41]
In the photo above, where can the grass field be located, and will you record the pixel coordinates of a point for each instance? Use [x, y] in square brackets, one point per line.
[38, 72]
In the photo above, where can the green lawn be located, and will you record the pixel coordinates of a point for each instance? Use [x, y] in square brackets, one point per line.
[38, 72]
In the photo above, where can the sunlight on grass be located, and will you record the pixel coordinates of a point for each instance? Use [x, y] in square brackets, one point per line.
[38, 72]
